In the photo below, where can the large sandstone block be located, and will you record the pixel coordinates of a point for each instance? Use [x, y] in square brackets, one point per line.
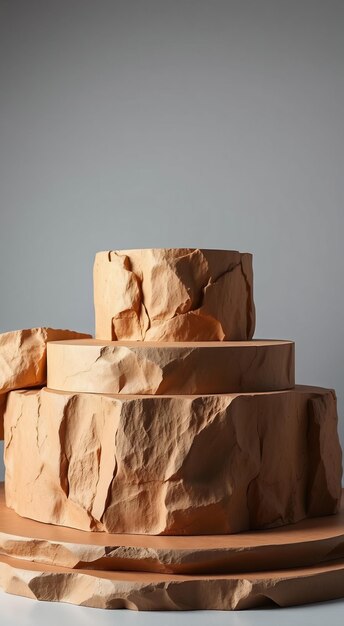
[180, 294]
[309, 542]
[145, 591]
[172, 465]
[23, 359]
[175, 368]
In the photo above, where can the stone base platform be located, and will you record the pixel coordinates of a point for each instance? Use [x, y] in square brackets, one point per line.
[306, 543]
[148, 591]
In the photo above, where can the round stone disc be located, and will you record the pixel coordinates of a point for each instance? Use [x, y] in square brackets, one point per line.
[150, 591]
[143, 367]
[306, 543]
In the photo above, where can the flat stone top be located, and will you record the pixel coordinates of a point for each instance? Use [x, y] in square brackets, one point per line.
[307, 389]
[313, 529]
[176, 251]
[253, 343]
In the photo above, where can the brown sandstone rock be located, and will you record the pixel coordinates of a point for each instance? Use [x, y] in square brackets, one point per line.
[23, 359]
[174, 368]
[3, 400]
[147, 591]
[180, 294]
[23, 356]
[172, 465]
[305, 543]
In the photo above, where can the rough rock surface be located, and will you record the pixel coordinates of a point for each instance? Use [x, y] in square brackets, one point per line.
[174, 368]
[306, 543]
[148, 591]
[23, 359]
[3, 401]
[172, 465]
[181, 294]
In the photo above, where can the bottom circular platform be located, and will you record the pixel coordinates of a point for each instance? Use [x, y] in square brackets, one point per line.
[150, 591]
[304, 544]
[296, 564]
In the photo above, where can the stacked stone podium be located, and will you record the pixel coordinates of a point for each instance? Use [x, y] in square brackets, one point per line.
[170, 462]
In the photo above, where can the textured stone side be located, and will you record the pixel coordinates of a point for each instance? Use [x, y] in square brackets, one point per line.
[180, 294]
[306, 543]
[153, 592]
[3, 401]
[23, 359]
[172, 465]
[164, 368]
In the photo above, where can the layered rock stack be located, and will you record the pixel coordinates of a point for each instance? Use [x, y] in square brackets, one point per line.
[163, 436]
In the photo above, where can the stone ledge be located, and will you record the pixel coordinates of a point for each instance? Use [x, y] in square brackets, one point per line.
[152, 592]
[170, 368]
[177, 465]
[303, 544]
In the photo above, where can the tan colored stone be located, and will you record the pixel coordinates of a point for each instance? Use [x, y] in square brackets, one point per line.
[170, 368]
[166, 592]
[172, 465]
[23, 359]
[3, 401]
[306, 543]
[178, 294]
[23, 356]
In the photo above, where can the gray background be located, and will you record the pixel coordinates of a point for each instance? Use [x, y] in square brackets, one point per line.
[176, 123]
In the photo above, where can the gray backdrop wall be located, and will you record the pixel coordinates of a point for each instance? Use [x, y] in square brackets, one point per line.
[176, 123]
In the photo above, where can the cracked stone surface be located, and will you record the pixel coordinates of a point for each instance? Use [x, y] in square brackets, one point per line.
[174, 368]
[180, 465]
[305, 543]
[180, 294]
[23, 359]
[149, 591]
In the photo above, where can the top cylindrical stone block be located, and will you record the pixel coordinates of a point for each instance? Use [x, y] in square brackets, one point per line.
[174, 294]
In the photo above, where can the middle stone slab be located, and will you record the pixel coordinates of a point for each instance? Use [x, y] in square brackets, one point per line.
[135, 367]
